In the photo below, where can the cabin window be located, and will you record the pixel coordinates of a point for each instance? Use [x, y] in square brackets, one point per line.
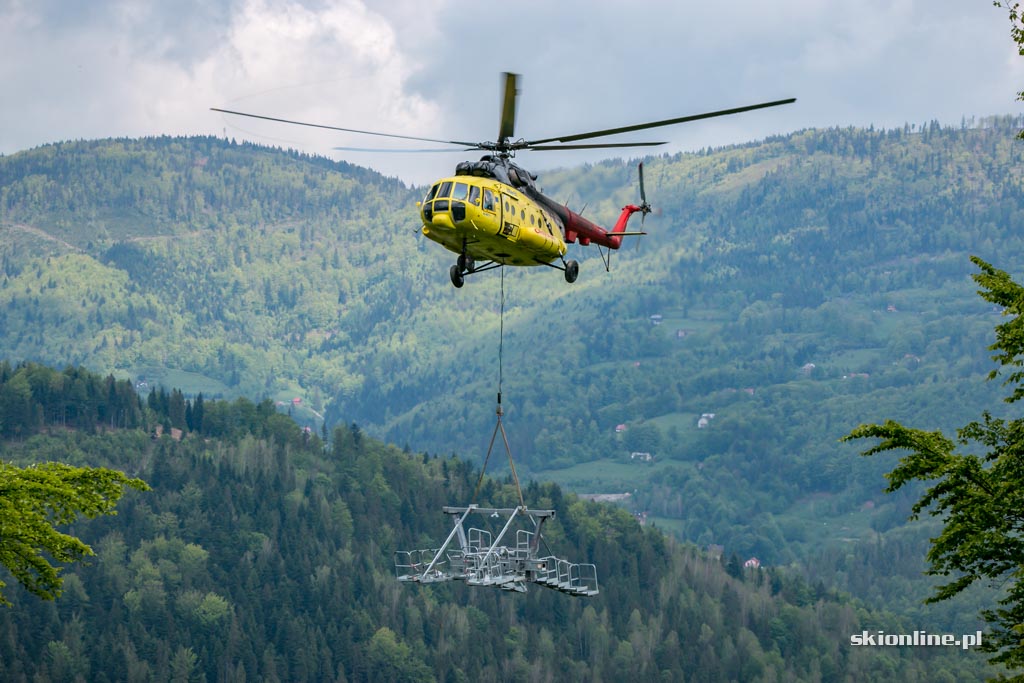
[533, 221]
[458, 211]
[446, 189]
[461, 191]
[488, 200]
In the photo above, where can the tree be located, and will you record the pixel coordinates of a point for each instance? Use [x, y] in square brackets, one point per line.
[391, 659]
[1016, 33]
[980, 498]
[15, 406]
[36, 498]
[183, 665]
[644, 437]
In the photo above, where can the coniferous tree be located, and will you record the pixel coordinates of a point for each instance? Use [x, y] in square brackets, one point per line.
[980, 498]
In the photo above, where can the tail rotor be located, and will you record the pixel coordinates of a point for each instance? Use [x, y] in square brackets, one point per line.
[645, 207]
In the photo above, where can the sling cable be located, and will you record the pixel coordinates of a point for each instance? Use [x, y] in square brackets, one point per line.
[509, 558]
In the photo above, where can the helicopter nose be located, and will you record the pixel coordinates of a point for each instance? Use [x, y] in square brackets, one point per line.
[443, 220]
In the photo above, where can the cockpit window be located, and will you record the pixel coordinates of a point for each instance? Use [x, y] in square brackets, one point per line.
[431, 193]
[446, 189]
[474, 195]
[461, 191]
[488, 200]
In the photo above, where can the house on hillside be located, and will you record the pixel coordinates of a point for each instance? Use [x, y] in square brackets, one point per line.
[752, 563]
[605, 497]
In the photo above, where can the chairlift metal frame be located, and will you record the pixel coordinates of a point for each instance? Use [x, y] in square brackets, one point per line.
[480, 561]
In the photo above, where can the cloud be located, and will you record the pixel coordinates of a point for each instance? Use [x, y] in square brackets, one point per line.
[340, 65]
[430, 68]
[590, 65]
[128, 71]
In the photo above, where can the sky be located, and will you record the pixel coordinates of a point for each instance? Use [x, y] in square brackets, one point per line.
[81, 69]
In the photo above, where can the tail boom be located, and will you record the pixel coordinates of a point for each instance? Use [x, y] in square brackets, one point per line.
[578, 228]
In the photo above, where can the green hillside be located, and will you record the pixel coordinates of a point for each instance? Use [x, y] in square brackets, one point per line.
[805, 284]
[262, 553]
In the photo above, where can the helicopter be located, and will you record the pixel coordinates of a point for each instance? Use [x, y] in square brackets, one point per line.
[491, 212]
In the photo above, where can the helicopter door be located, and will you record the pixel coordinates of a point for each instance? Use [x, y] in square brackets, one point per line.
[509, 218]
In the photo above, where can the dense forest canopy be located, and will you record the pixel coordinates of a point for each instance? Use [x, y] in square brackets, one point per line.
[265, 553]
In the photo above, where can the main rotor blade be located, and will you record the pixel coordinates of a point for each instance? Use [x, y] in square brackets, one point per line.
[656, 124]
[510, 92]
[474, 145]
[595, 145]
[402, 150]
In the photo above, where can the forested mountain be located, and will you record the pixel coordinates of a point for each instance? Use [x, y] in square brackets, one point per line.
[789, 291]
[263, 553]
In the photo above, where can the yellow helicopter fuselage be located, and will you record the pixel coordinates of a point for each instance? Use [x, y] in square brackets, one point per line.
[487, 220]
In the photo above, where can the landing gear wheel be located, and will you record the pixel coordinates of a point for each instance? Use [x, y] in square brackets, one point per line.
[466, 263]
[456, 275]
[572, 271]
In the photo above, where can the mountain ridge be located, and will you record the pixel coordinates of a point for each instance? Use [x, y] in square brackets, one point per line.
[239, 270]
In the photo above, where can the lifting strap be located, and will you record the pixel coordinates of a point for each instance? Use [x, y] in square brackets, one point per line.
[499, 426]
